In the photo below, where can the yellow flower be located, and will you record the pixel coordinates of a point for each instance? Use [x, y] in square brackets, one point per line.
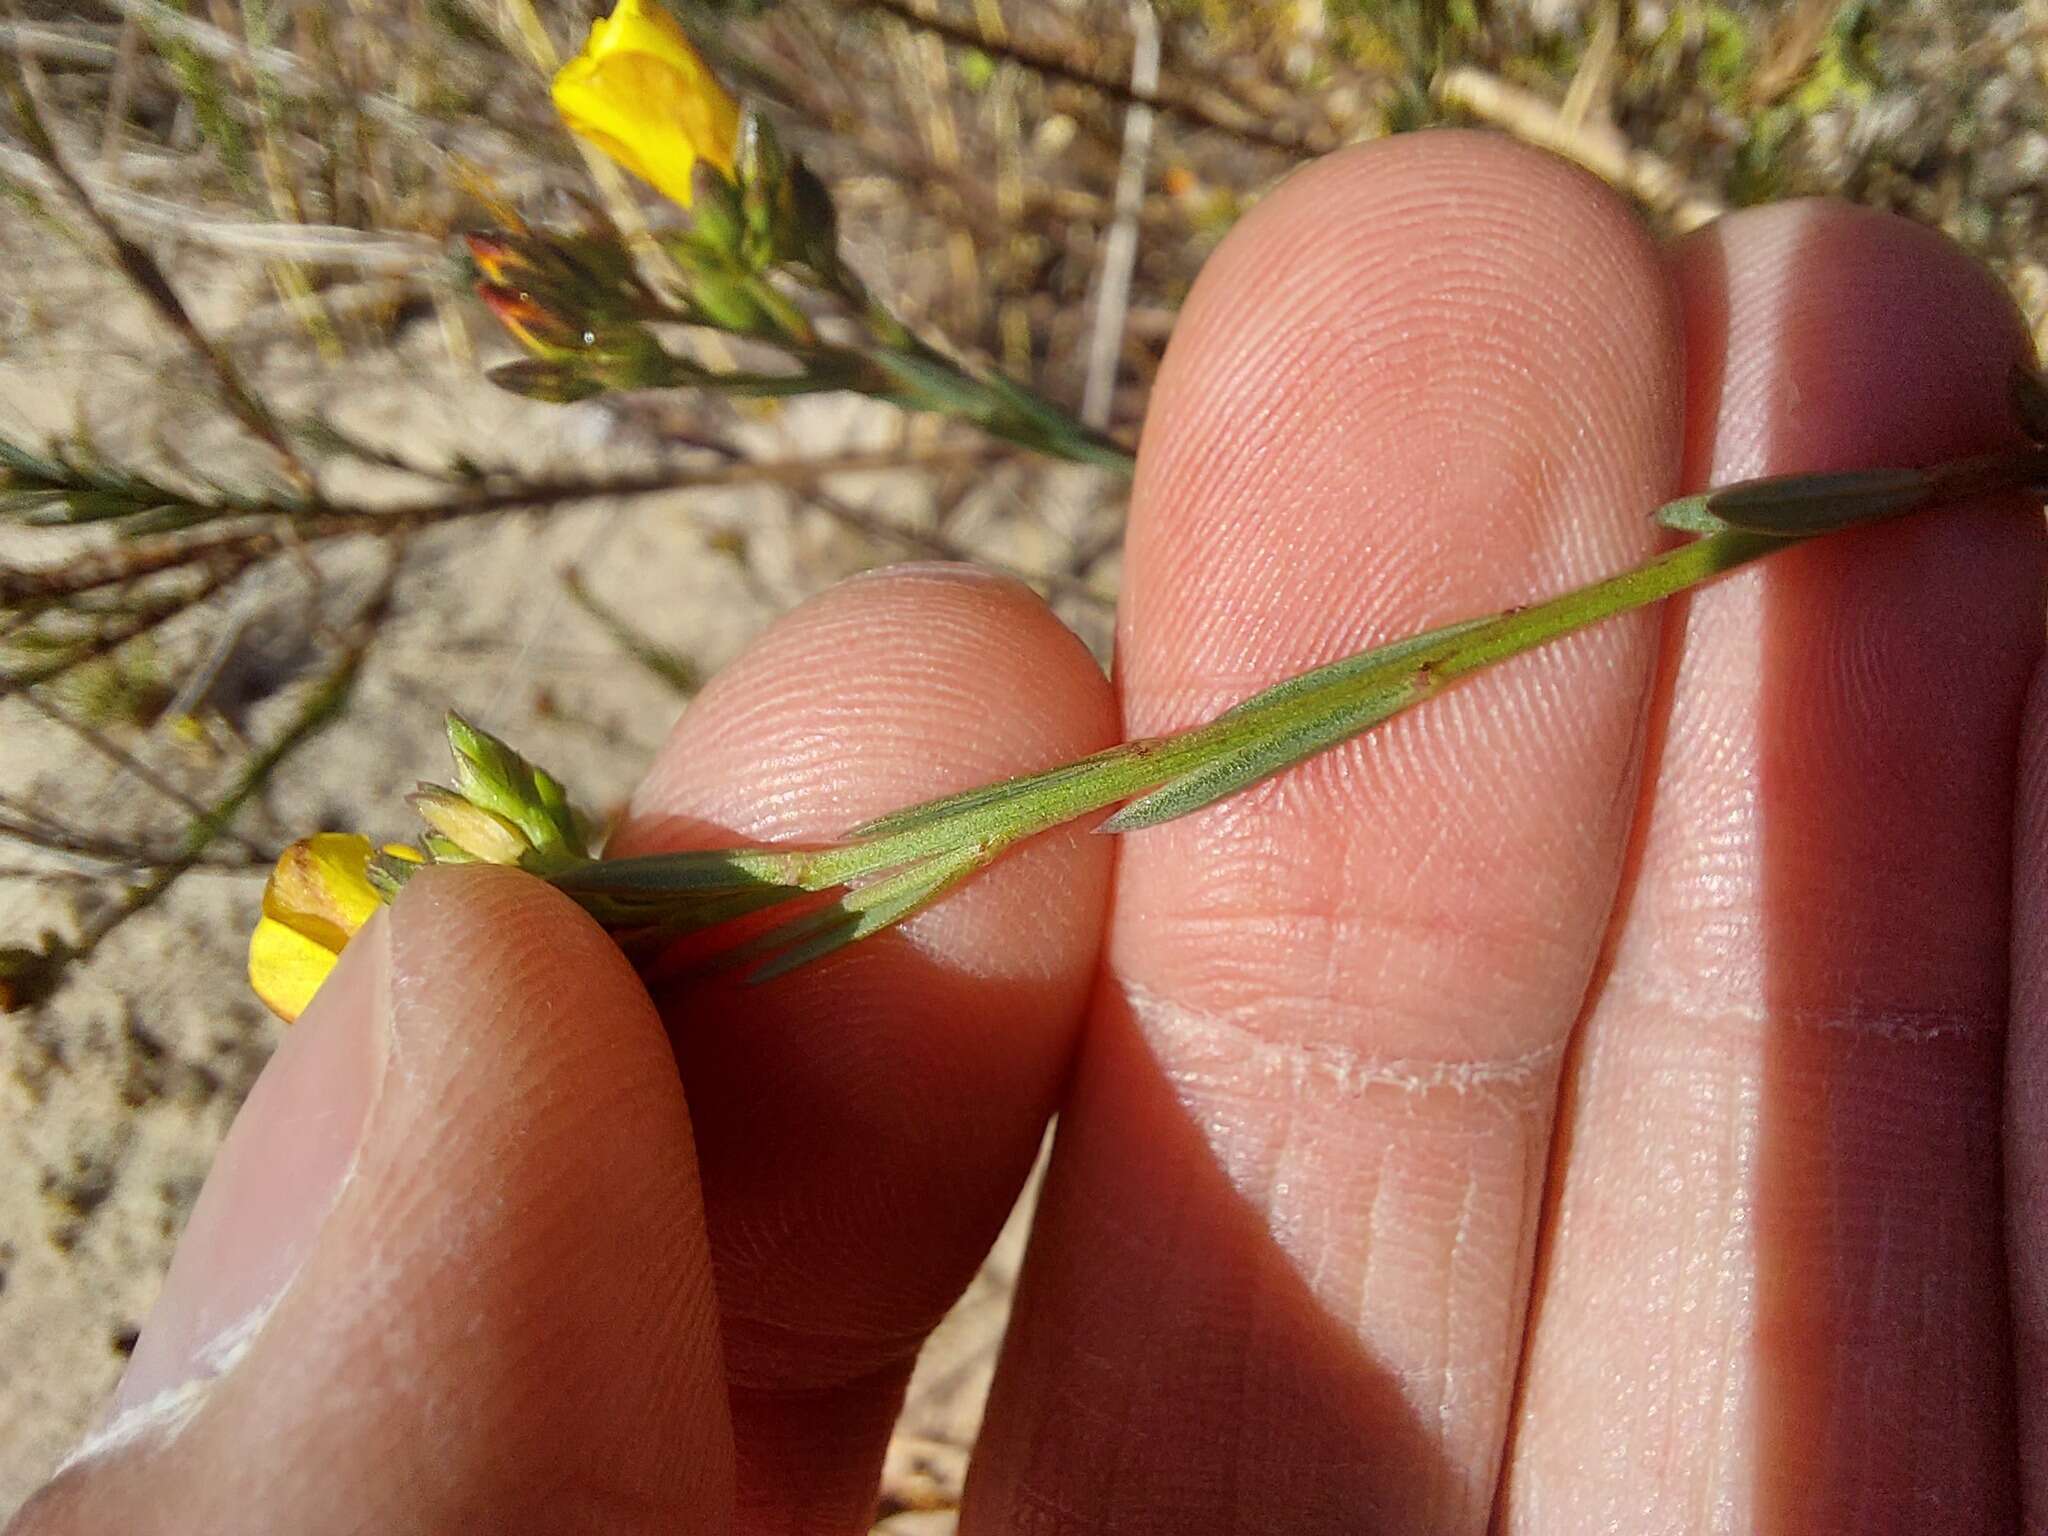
[317, 897]
[640, 93]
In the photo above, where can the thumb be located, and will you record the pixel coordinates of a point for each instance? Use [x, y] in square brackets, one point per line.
[449, 1270]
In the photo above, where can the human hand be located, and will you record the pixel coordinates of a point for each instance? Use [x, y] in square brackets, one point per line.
[1577, 1105]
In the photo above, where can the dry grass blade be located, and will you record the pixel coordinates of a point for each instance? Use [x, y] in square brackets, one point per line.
[327, 245]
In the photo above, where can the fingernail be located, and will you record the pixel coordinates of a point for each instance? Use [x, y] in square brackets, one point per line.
[278, 1174]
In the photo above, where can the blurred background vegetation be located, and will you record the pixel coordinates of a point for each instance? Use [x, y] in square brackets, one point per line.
[261, 521]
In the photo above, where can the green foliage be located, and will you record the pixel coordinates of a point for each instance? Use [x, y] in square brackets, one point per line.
[72, 484]
[1406, 37]
[1758, 172]
[1725, 51]
[128, 688]
[1845, 66]
[977, 70]
[200, 82]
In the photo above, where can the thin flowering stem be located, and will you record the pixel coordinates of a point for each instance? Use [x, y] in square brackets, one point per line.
[898, 864]
[758, 252]
[1170, 776]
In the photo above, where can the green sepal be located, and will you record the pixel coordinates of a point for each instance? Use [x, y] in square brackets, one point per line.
[725, 299]
[489, 774]
[814, 226]
[716, 220]
[387, 873]
[763, 173]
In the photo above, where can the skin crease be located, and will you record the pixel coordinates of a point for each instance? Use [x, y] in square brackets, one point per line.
[1575, 1107]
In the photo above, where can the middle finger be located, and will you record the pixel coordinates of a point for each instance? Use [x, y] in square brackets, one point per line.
[1278, 1276]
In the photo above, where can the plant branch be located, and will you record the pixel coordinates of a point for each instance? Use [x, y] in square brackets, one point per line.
[123, 759]
[294, 525]
[382, 253]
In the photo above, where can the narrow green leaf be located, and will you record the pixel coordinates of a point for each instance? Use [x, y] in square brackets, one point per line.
[862, 912]
[659, 874]
[1270, 752]
[1393, 660]
[659, 921]
[1002, 793]
[18, 460]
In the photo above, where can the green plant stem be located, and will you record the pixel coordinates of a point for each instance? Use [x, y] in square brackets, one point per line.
[921, 378]
[1688, 565]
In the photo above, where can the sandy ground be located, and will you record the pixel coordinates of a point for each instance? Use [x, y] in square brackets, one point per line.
[113, 1097]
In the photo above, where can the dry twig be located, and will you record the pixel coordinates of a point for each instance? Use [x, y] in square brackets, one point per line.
[1172, 102]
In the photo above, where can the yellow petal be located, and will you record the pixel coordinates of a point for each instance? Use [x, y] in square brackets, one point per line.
[640, 93]
[316, 899]
[286, 967]
[322, 883]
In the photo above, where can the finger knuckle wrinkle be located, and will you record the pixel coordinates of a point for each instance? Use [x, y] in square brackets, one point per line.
[1241, 1050]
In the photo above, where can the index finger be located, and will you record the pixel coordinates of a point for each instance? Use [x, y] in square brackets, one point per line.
[863, 1124]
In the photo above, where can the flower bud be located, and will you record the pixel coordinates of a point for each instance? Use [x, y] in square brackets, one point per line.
[504, 260]
[542, 379]
[1798, 506]
[476, 834]
[492, 777]
[539, 329]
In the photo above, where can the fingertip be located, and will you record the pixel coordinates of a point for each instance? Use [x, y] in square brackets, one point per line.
[500, 951]
[1822, 336]
[1428, 379]
[1796, 309]
[2026, 1107]
[523, 1244]
[865, 1122]
[864, 699]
